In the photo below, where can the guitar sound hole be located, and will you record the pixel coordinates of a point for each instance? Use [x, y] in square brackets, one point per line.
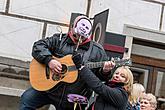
[64, 69]
[57, 77]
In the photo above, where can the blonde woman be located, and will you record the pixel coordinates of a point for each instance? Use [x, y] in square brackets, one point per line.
[112, 95]
[148, 102]
[137, 91]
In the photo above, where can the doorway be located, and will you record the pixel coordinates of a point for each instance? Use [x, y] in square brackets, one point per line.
[151, 73]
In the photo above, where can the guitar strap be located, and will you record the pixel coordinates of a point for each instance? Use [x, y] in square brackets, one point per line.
[91, 101]
[85, 58]
[87, 54]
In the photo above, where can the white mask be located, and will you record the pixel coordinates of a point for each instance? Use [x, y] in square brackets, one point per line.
[83, 28]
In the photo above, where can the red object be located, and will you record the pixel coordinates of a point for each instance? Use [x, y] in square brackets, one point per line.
[75, 40]
[114, 48]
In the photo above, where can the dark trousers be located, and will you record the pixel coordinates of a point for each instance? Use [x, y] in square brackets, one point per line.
[32, 99]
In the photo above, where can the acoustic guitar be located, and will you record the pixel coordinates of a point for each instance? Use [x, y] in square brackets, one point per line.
[42, 79]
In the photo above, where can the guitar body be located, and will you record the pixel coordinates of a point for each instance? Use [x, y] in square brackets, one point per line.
[43, 80]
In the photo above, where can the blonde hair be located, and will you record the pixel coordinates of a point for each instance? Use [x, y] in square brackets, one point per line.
[152, 99]
[137, 91]
[129, 78]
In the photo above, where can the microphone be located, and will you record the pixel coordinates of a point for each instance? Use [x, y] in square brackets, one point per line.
[78, 43]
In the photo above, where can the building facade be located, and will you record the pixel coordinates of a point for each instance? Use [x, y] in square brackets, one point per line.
[140, 22]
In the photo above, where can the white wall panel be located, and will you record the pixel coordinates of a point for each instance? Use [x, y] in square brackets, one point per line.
[17, 37]
[163, 23]
[52, 29]
[134, 12]
[56, 10]
[144, 33]
[2, 5]
[148, 51]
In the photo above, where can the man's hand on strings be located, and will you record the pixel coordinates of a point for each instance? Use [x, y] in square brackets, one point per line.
[55, 66]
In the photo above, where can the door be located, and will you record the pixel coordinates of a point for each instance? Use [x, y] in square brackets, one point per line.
[151, 73]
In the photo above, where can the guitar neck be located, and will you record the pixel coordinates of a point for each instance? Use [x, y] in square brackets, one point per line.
[95, 64]
[121, 62]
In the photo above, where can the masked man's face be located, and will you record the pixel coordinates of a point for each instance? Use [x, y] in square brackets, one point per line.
[83, 28]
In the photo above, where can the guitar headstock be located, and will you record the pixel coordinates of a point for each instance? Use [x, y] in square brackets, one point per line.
[121, 62]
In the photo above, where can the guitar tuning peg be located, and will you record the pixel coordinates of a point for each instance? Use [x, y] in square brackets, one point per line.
[112, 59]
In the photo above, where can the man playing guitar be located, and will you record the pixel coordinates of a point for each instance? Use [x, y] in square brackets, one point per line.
[78, 40]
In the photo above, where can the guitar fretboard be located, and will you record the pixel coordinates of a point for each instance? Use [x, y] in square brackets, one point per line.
[121, 62]
[94, 64]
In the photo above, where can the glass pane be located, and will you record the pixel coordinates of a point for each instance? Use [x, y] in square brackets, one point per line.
[160, 85]
[140, 75]
[160, 90]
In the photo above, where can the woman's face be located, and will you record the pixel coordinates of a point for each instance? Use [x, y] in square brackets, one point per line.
[145, 105]
[120, 76]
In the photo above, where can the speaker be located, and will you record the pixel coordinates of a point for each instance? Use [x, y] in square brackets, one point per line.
[114, 44]
[99, 26]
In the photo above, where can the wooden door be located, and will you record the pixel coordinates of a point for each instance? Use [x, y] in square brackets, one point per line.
[151, 73]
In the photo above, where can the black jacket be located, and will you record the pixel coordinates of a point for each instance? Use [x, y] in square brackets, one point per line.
[109, 98]
[44, 49]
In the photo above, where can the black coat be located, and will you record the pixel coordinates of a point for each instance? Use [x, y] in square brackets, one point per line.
[109, 98]
[44, 49]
